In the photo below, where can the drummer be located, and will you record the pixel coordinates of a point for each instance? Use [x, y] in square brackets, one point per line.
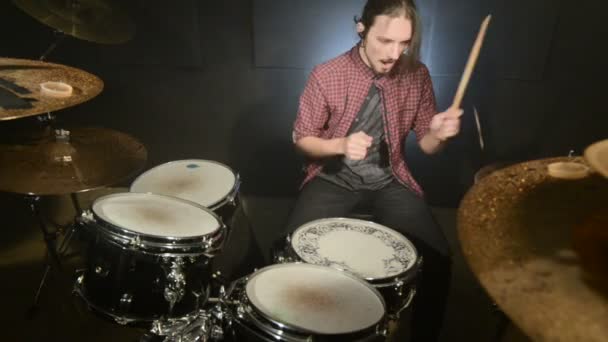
[355, 113]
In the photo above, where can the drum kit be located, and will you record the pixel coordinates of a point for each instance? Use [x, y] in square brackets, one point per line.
[147, 252]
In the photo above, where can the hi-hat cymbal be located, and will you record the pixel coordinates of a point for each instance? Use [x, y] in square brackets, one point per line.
[98, 21]
[516, 230]
[64, 162]
[21, 94]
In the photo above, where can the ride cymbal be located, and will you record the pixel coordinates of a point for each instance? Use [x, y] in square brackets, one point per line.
[63, 162]
[97, 21]
[516, 231]
[22, 95]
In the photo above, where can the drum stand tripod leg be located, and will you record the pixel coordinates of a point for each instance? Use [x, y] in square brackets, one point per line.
[52, 258]
[71, 231]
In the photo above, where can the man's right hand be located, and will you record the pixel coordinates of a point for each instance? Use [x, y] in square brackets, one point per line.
[356, 145]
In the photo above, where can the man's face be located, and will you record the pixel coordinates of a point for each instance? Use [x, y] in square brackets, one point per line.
[385, 42]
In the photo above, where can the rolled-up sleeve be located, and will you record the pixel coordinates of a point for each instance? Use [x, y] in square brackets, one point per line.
[427, 108]
[313, 110]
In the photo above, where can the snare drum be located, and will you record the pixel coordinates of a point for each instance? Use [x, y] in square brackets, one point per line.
[208, 183]
[303, 302]
[147, 257]
[378, 254]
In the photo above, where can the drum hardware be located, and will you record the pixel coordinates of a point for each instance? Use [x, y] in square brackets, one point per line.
[176, 282]
[52, 255]
[59, 37]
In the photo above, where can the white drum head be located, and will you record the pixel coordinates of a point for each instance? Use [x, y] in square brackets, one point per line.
[314, 298]
[367, 249]
[200, 181]
[155, 215]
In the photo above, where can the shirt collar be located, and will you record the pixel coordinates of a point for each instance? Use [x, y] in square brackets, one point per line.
[364, 70]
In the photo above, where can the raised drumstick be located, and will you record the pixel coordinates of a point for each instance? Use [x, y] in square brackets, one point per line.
[468, 70]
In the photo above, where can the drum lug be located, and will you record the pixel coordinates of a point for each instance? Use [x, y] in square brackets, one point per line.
[216, 333]
[86, 216]
[100, 271]
[382, 329]
[176, 283]
[135, 243]
[125, 302]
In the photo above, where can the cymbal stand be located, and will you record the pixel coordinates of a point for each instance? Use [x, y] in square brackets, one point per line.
[52, 256]
[69, 234]
[59, 37]
[53, 252]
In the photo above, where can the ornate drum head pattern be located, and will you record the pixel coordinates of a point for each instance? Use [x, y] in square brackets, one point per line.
[201, 181]
[364, 248]
[155, 215]
[315, 299]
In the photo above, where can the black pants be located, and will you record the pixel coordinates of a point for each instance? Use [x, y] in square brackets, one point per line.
[396, 207]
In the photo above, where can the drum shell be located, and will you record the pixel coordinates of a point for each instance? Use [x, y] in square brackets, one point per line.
[129, 286]
[127, 273]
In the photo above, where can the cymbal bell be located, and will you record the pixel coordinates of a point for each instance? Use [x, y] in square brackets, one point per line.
[97, 21]
[518, 231]
[63, 162]
[21, 94]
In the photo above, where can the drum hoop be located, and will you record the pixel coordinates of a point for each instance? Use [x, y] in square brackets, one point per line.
[169, 242]
[204, 246]
[213, 206]
[397, 277]
[295, 327]
[404, 276]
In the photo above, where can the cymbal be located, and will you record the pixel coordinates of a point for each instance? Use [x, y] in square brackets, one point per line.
[97, 21]
[597, 156]
[20, 90]
[515, 227]
[57, 163]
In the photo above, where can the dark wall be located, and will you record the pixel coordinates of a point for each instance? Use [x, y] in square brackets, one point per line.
[221, 80]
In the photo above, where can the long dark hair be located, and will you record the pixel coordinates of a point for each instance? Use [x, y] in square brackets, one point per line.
[395, 8]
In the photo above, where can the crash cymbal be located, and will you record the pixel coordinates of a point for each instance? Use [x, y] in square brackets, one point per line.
[98, 21]
[21, 94]
[63, 162]
[516, 231]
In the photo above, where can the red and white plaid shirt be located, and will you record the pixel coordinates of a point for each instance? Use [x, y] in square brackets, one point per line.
[335, 92]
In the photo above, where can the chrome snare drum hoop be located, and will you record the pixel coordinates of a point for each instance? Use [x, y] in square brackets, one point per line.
[299, 302]
[208, 183]
[156, 224]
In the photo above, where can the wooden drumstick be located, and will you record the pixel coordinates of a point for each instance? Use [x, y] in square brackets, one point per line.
[468, 70]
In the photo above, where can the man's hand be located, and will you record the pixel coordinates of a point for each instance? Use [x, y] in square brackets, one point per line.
[446, 125]
[356, 145]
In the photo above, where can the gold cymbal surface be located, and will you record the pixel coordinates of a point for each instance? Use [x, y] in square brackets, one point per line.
[71, 161]
[20, 90]
[98, 21]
